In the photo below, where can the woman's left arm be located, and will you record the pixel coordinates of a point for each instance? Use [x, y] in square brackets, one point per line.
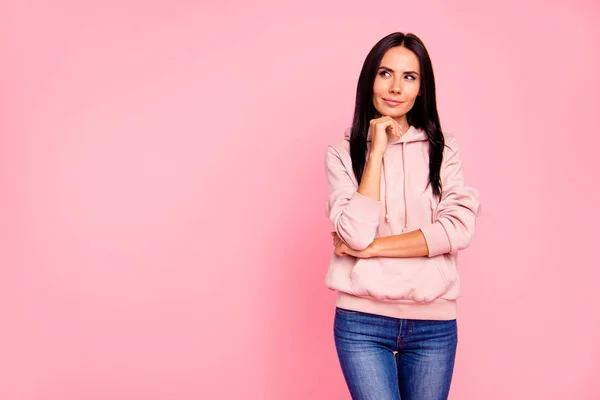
[410, 244]
[454, 219]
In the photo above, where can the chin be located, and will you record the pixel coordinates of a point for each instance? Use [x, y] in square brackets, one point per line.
[395, 112]
[390, 112]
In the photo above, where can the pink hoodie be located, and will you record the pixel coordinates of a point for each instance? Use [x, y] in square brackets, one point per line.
[416, 287]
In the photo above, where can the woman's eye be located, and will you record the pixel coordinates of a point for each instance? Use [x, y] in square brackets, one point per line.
[411, 77]
[383, 73]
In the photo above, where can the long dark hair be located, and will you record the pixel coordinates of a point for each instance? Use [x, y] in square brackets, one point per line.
[423, 114]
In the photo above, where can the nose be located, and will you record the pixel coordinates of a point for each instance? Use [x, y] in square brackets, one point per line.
[395, 87]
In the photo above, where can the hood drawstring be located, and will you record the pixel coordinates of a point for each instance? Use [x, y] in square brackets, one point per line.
[404, 188]
[385, 189]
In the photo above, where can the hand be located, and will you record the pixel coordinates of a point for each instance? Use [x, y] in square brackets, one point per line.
[342, 249]
[384, 130]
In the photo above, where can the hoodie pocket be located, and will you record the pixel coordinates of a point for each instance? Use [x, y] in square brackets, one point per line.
[420, 279]
[447, 270]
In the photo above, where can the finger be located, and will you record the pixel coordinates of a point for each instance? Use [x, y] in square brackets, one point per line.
[389, 126]
[398, 130]
[397, 127]
[393, 127]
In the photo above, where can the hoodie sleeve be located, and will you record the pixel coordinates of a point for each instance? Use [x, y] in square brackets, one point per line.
[354, 217]
[454, 218]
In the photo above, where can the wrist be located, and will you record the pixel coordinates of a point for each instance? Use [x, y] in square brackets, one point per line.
[372, 249]
[376, 154]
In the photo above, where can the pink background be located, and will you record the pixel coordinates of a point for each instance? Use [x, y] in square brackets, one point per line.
[163, 190]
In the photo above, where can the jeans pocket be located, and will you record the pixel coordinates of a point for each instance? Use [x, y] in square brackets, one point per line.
[346, 312]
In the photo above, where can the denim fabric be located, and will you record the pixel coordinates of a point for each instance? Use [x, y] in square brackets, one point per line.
[397, 359]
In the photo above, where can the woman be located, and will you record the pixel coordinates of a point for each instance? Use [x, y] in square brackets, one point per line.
[401, 211]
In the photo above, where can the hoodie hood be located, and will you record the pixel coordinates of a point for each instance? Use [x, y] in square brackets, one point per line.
[411, 135]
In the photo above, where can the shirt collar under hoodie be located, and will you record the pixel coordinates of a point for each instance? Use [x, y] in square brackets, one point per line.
[411, 135]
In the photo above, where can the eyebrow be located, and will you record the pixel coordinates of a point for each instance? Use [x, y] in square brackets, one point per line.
[391, 70]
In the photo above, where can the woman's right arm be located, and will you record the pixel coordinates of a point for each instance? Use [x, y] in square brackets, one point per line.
[353, 212]
[370, 184]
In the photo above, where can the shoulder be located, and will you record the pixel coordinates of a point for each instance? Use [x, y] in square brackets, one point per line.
[449, 139]
[450, 143]
[340, 147]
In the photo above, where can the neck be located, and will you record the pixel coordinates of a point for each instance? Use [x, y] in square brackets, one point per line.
[403, 121]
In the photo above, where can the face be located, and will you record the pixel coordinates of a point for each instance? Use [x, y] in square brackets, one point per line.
[397, 84]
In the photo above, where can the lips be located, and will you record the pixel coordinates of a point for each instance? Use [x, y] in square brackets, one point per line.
[392, 102]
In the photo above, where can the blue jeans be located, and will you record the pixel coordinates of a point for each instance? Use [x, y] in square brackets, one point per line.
[397, 359]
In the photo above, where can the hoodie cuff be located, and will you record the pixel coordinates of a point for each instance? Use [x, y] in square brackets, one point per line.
[363, 208]
[437, 239]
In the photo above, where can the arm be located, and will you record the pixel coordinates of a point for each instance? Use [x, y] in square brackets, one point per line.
[410, 244]
[370, 184]
[454, 218]
[354, 211]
